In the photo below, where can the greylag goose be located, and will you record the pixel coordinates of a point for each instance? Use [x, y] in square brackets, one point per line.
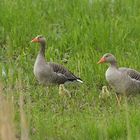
[104, 94]
[123, 80]
[50, 73]
[64, 92]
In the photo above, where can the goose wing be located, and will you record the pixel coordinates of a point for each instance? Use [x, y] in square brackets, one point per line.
[132, 73]
[61, 74]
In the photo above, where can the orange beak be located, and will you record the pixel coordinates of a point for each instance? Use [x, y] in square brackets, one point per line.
[35, 40]
[102, 60]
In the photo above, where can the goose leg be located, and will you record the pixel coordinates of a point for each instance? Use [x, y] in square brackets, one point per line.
[118, 97]
[63, 91]
[47, 90]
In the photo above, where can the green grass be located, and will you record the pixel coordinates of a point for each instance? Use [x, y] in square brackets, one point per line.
[79, 31]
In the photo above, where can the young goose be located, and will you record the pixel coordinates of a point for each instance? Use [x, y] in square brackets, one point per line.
[50, 73]
[104, 94]
[123, 80]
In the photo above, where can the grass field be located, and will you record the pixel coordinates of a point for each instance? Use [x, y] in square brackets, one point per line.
[78, 33]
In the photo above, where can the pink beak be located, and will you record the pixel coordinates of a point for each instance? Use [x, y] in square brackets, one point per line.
[35, 40]
[102, 60]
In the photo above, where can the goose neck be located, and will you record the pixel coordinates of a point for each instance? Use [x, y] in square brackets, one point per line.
[42, 49]
[114, 64]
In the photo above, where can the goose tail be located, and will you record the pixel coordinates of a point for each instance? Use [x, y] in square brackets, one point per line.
[79, 80]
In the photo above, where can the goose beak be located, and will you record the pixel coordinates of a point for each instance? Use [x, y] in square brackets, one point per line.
[35, 40]
[102, 60]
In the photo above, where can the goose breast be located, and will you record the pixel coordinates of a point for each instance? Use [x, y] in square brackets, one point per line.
[116, 79]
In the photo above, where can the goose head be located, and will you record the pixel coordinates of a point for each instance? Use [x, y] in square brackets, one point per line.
[104, 89]
[107, 58]
[39, 39]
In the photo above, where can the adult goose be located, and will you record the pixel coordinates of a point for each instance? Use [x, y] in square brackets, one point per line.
[50, 73]
[123, 80]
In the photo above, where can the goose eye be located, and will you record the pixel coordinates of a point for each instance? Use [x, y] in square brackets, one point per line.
[39, 37]
[107, 55]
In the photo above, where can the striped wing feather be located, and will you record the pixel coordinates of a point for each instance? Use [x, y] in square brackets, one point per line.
[62, 74]
[132, 73]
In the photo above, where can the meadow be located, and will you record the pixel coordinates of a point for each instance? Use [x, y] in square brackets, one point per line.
[78, 33]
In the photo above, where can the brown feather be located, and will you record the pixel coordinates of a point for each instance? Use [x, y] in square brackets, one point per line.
[62, 74]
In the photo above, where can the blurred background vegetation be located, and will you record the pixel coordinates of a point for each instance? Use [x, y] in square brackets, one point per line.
[78, 33]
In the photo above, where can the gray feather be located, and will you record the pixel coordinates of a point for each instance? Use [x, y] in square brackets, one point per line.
[132, 73]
